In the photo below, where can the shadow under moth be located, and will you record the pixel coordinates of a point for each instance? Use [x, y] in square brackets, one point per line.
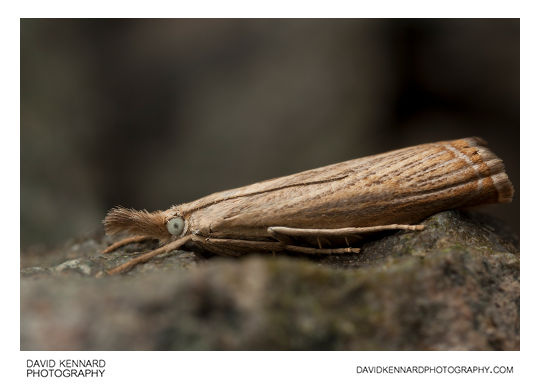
[325, 210]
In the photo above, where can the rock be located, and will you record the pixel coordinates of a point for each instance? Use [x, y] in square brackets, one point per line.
[453, 286]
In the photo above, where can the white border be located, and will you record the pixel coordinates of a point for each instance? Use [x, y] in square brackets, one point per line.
[272, 9]
[269, 366]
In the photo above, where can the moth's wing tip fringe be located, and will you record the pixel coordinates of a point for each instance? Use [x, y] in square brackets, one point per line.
[504, 187]
[479, 141]
[498, 175]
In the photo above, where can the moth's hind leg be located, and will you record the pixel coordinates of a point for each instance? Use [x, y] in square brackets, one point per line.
[317, 237]
[321, 251]
[126, 241]
[286, 232]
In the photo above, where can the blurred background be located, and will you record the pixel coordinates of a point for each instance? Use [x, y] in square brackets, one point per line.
[151, 113]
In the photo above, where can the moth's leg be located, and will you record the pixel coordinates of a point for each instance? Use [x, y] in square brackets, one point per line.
[245, 245]
[277, 232]
[128, 240]
[147, 256]
[272, 246]
[285, 239]
[321, 251]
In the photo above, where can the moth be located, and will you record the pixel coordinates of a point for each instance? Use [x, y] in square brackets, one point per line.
[325, 210]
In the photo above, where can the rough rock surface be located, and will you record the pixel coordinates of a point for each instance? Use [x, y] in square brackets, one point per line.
[453, 286]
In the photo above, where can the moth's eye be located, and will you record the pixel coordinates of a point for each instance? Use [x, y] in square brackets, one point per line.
[175, 226]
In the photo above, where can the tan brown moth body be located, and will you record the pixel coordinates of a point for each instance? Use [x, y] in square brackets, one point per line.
[321, 211]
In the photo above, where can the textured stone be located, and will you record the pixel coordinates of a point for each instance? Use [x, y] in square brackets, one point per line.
[453, 286]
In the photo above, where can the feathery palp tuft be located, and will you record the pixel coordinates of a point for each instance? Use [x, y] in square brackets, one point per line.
[136, 222]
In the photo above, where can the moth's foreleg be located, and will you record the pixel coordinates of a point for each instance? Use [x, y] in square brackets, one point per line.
[126, 241]
[147, 256]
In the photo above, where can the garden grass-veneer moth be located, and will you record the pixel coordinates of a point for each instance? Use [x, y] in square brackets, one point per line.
[324, 210]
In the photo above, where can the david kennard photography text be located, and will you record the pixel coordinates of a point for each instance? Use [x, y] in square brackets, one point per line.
[65, 368]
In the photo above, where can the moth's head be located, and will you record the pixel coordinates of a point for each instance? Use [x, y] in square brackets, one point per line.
[162, 225]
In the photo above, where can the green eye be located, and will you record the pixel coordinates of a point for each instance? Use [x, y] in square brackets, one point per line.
[175, 226]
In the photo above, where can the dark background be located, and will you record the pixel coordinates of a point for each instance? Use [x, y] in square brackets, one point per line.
[151, 113]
